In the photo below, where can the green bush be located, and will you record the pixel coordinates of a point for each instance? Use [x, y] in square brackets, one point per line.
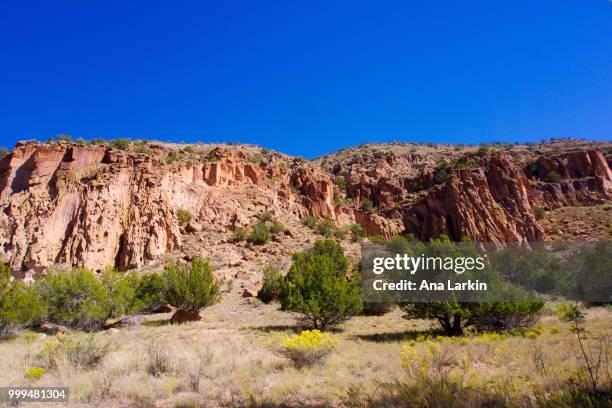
[183, 216]
[539, 212]
[64, 138]
[75, 298]
[483, 150]
[454, 317]
[310, 222]
[240, 234]
[341, 183]
[3, 152]
[441, 176]
[319, 287]
[19, 304]
[277, 227]
[271, 287]
[171, 158]
[367, 205]
[260, 233]
[120, 289]
[465, 164]
[142, 146]
[552, 177]
[120, 144]
[326, 228]
[149, 292]
[265, 216]
[190, 287]
[188, 150]
[357, 232]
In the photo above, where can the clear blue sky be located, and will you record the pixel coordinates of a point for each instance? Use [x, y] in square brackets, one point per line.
[306, 77]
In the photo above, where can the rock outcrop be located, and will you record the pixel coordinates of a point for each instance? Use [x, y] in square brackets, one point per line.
[485, 204]
[96, 206]
[63, 204]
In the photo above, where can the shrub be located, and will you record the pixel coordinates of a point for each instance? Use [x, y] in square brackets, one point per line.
[19, 304]
[326, 228]
[120, 144]
[190, 287]
[34, 373]
[171, 158]
[482, 150]
[75, 298]
[265, 216]
[271, 287]
[158, 359]
[319, 287]
[441, 176]
[80, 140]
[195, 368]
[149, 293]
[309, 348]
[3, 152]
[485, 316]
[367, 205]
[142, 146]
[183, 216]
[357, 232]
[310, 222]
[188, 150]
[454, 316]
[84, 351]
[539, 212]
[260, 233]
[277, 227]
[465, 164]
[120, 288]
[240, 234]
[552, 177]
[341, 183]
[64, 138]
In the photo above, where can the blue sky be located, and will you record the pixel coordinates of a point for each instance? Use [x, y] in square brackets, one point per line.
[310, 77]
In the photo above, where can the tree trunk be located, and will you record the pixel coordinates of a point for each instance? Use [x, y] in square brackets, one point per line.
[451, 328]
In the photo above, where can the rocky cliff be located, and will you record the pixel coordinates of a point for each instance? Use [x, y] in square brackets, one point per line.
[98, 205]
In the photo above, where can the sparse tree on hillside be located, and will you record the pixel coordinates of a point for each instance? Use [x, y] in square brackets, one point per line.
[318, 285]
[191, 287]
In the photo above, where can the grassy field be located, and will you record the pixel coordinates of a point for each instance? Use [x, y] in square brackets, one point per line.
[233, 357]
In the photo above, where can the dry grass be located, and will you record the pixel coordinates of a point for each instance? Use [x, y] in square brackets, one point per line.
[233, 358]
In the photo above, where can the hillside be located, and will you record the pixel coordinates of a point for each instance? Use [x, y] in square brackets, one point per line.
[104, 204]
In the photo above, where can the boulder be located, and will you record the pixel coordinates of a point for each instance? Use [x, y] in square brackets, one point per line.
[193, 226]
[183, 316]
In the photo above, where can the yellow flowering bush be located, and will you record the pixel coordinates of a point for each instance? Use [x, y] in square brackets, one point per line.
[310, 347]
[34, 373]
[425, 359]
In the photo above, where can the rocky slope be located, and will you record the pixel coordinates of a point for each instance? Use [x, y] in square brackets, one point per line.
[98, 205]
